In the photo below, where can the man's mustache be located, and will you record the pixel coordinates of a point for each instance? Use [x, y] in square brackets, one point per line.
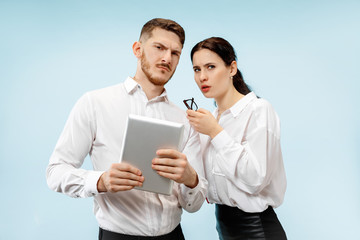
[164, 65]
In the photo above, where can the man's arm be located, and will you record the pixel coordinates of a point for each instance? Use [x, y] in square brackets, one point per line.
[174, 165]
[187, 169]
[64, 173]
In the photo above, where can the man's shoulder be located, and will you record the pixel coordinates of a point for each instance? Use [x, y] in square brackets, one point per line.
[176, 107]
[176, 114]
[106, 91]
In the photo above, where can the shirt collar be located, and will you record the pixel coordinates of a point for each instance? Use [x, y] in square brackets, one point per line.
[131, 86]
[238, 107]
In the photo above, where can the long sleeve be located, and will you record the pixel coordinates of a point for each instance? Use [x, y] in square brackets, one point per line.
[248, 164]
[244, 164]
[75, 143]
[96, 126]
[192, 199]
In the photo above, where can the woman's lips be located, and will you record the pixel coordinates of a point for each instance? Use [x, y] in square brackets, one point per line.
[205, 88]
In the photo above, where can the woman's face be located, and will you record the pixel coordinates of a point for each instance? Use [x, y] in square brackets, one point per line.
[211, 74]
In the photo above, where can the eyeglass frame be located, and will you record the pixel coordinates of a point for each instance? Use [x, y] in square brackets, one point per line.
[192, 104]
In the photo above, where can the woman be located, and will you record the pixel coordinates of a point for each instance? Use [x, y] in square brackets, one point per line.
[241, 147]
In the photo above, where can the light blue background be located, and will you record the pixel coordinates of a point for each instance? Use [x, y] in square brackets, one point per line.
[302, 56]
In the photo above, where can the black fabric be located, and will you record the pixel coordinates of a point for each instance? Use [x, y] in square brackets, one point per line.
[176, 234]
[235, 224]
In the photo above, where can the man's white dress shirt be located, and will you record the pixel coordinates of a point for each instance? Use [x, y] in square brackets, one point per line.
[96, 127]
[243, 163]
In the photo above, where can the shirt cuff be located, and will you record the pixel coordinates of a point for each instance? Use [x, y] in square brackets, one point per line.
[189, 194]
[91, 182]
[221, 140]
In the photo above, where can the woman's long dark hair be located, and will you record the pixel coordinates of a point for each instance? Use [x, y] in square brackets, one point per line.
[224, 50]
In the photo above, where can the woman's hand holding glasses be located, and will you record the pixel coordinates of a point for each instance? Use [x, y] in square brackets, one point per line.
[202, 120]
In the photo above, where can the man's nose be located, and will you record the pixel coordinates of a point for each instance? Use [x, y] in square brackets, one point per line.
[167, 57]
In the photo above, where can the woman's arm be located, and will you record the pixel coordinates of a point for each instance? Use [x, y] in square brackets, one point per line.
[245, 156]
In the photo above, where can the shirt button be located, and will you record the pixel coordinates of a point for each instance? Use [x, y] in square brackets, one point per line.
[190, 193]
[189, 205]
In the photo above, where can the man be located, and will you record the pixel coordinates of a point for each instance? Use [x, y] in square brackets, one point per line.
[96, 126]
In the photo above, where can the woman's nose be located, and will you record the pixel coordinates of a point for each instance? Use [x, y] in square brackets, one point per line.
[203, 76]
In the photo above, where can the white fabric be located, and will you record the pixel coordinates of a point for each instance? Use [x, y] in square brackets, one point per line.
[96, 127]
[243, 163]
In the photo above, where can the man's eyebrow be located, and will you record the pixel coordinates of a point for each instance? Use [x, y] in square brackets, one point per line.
[177, 51]
[163, 46]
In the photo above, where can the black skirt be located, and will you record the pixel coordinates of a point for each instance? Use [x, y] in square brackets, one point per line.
[235, 224]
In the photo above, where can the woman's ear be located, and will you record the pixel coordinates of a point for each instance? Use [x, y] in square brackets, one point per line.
[233, 68]
[137, 49]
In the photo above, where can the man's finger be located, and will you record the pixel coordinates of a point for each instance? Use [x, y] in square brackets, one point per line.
[164, 168]
[125, 182]
[127, 175]
[165, 162]
[169, 153]
[126, 167]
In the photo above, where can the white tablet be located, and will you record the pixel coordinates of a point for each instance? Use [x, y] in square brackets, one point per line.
[143, 137]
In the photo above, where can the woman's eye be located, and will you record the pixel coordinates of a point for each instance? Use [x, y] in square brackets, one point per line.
[196, 70]
[211, 66]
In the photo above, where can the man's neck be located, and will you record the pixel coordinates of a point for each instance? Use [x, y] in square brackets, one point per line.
[151, 90]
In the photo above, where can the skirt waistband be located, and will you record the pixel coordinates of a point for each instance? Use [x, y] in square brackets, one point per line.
[176, 234]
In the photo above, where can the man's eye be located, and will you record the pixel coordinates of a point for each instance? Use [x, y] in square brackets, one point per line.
[211, 66]
[196, 70]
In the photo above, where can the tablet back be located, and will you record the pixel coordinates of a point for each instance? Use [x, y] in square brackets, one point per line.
[143, 137]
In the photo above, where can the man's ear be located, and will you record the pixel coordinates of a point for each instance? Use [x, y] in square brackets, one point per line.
[233, 68]
[137, 49]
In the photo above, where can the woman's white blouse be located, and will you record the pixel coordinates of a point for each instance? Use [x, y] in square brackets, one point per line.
[243, 163]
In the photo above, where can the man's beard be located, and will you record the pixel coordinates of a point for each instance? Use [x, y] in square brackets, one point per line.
[145, 67]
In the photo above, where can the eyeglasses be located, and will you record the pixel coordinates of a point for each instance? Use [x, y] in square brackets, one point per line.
[191, 104]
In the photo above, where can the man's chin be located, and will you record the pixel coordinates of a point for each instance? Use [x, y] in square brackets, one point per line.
[159, 81]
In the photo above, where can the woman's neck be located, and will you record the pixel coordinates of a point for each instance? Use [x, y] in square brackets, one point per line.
[228, 100]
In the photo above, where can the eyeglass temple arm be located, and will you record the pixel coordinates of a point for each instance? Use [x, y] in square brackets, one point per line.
[187, 105]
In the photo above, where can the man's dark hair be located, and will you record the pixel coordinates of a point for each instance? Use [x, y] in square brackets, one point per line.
[166, 24]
